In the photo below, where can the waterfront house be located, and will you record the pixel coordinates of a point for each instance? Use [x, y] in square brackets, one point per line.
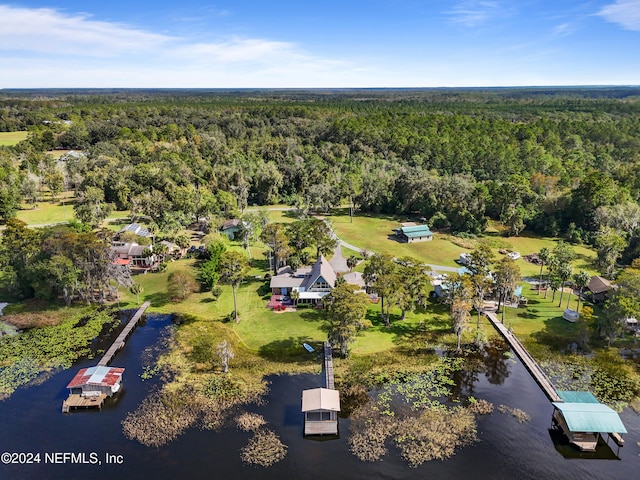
[132, 254]
[311, 283]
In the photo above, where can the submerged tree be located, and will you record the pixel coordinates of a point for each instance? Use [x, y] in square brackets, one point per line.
[224, 352]
[460, 314]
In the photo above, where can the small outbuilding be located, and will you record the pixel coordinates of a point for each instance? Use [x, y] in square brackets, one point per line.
[96, 380]
[599, 288]
[415, 233]
[320, 407]
[91, 387]
[231, 227]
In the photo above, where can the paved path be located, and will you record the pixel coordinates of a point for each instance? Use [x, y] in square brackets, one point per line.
[338, 262]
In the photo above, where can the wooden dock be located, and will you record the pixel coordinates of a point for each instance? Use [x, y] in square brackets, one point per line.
[328, 366]
[534, 369]
[119, 342]
[76, 401]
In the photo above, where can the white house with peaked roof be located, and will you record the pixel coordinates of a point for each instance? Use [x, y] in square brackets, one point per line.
[312, 283]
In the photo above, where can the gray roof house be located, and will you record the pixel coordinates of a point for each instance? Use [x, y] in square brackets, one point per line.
[312, 283]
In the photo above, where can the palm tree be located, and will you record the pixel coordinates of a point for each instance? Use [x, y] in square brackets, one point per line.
[233, 268]
[552, 264]
[564, 273]
[554, 284]
[581, 280]
[544, 255]
[352, 262]
[295, 296]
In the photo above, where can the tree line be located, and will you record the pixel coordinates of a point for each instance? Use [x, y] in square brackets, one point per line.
[557, 162]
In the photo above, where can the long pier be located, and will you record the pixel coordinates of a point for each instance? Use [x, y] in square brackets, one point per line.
[531, 365]
[328, 366]
[119, 342]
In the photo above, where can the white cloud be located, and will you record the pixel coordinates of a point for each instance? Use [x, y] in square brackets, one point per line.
[563, 30]
[623, 12]
[52, 48]
[50, 31]
[472, 13]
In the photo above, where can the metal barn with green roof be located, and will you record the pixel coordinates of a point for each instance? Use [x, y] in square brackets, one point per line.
[415, 233]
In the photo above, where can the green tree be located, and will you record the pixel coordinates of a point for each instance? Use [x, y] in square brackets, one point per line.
[275, 237]
[564, 274]
[610, 245]
[555, 284]
[544, 255]
[233, 268]
[10, 195]
[136, 289]
[352, 262]
[581, 281]
[460, 314]
[346, 311]
[507, 276]
[379, 274]
[91, 207]
[413, 285]
[181, 284]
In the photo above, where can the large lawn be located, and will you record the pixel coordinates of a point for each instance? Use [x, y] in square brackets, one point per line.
[60, 211]
[374, 233]
[11, 138]
[265, 331]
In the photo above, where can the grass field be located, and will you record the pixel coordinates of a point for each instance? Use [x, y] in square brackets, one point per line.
[11, 138]
[59, 212]
[373, 233]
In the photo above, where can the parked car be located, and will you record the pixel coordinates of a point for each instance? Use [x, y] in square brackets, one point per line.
[514, 255]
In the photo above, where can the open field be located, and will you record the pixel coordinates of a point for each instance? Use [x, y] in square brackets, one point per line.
[60, 212]
[374, 233]
[11, 138]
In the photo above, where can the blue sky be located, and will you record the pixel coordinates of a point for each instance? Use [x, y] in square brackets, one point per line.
[374, 43]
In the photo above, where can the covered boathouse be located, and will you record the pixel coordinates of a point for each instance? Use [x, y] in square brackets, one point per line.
[320, 407]
[91, 386]
[583, 419]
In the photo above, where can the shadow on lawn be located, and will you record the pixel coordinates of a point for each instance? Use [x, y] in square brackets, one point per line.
[558, 334]
[290, 350]
[158, 299]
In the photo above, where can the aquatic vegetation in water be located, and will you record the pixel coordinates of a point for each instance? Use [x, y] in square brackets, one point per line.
[608, 377]
[250, 422]
[480, 407]
[37, 350]
[520, 415]
[160, 418]
[413, 416]
[264, 449]
[434, 435]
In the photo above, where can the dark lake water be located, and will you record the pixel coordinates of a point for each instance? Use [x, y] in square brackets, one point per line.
[31, 421]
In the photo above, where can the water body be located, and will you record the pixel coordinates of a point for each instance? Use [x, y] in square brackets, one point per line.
[31, 421]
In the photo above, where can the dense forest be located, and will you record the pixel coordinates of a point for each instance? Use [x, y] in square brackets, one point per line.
[561, 162]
